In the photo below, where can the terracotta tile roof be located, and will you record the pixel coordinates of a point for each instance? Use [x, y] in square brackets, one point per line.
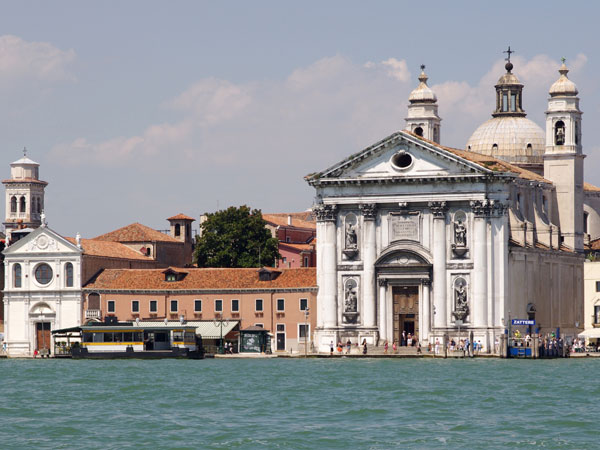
[590, 187]
[201, 279]
[109, 249]
[299, 220]
[489, 162]
[300, 247]
[181, 216]
[595, 244]
[136, 232]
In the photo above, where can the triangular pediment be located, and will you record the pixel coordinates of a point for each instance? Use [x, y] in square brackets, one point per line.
[402, 155]
[41, 240]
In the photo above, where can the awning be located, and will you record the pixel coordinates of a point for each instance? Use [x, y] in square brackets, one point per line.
[208, 329]
[590, 333]
[212, 330]
[67, 330]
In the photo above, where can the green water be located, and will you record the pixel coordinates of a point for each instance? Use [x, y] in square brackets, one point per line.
[305, 404]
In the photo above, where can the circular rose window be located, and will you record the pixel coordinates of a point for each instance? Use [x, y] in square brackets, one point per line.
[43, 274]
[402, 160]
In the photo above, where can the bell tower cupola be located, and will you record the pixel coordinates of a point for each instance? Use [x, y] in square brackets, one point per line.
[24, 195]
[509, 93]
[423, 118]
[563, 158]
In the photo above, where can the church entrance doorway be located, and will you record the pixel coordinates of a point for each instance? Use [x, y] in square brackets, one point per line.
[42, 334]
[406, 312]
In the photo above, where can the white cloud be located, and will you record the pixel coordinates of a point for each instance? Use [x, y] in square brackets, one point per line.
[246, 124]
[41, 61]
[322, 112]
[397, 69]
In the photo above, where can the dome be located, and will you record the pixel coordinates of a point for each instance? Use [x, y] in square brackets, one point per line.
[422, 93]
[563, 86]
[516, 140]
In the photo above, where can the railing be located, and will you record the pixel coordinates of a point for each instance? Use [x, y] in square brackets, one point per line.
[93, 314]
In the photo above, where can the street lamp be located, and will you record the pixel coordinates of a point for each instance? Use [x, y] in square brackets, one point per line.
[220, 322]
[306, 313]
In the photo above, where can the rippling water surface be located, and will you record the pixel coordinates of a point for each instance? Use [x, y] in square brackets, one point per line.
[305, 404]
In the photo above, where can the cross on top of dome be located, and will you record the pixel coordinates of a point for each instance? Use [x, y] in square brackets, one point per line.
[509, 65]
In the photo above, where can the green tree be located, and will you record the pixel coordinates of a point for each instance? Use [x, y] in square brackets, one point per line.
[235, 237]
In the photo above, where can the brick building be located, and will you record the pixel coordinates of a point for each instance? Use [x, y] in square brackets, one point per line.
[296, 233]
[273, 299]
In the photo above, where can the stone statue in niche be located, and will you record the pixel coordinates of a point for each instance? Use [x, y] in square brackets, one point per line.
[459, 248]
[351, 240]
[350, 299]
[461, 306]
[351, 237]
[350, 302]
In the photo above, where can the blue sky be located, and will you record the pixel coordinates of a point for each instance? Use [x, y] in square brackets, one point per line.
[140, 110]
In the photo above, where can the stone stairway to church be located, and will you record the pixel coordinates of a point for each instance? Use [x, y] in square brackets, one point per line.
[400, 351]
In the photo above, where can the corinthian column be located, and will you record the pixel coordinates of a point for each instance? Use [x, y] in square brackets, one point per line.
[369, 213]
[480, 261]
[383, 315]
[327, 272]
[438, 209]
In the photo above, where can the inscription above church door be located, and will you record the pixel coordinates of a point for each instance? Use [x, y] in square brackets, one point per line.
[404, 227]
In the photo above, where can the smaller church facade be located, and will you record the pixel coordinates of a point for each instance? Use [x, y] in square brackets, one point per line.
[42, 290]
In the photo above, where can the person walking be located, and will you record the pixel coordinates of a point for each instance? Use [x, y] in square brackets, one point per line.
[395, 347]
[385, 348]
[331, 348]
[348, 346]
[364, 346]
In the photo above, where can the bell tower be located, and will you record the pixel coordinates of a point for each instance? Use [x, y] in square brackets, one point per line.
[563, 158]
[24, 195]
[423, 119]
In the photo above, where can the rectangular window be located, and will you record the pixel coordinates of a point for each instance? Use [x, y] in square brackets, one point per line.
[303, 304]
[284, 259]
[280, 304]
[218, 305]
[504, 102]
[597, 314]
[597, 286]
[197, 306]
[235, 305]
[259, 325]
[174, 306]
[258, 305]
[153, 306]
[280, 327]
[135, 306]
[303, 331]
[111, 306]
[306, 261]
[513, 102]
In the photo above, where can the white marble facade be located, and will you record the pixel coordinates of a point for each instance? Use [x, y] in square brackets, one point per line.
[427, 226]
[42, 290]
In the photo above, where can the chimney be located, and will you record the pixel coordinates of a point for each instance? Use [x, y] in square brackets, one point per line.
[289, 219]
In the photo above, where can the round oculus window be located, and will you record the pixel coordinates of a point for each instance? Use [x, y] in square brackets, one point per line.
[43, 274]
[402, 160]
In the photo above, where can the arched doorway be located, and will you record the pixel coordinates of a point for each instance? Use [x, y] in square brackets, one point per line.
[42, 316]
[404, 278]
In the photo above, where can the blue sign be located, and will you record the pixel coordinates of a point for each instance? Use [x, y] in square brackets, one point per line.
[523, 321]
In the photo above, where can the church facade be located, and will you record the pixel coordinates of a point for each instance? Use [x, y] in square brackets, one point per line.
[416, 237]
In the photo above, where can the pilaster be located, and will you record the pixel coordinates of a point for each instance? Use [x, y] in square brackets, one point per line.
[438, 210]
